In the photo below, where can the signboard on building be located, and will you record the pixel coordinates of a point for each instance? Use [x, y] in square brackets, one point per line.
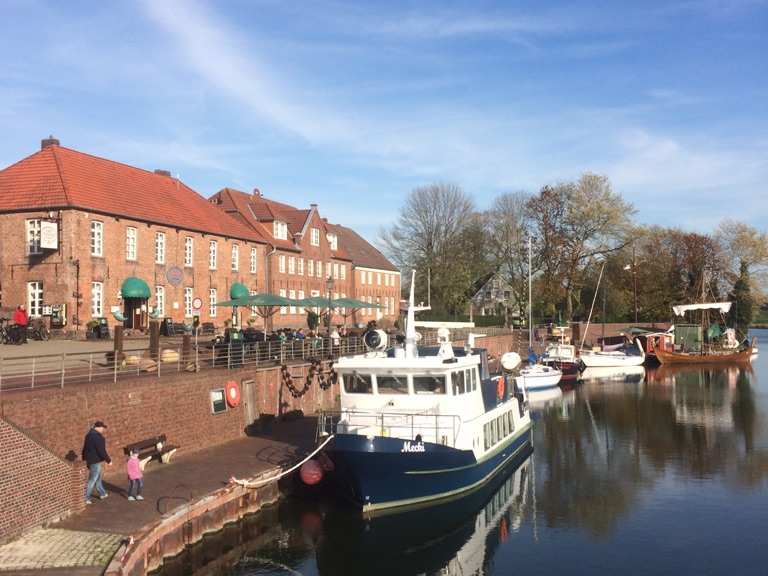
[174, 275]
[49, 235]
[197, 303]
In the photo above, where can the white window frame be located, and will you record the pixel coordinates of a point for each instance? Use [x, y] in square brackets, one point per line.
[283, 309]
[97, 238]
[189, 296]
[343, 271]
[335, 271]
[35, 298]
[212, 299]
[131, 243]
[378, 278]
[292, 296]
[254, 260]
[34, 226]
[160, 300]
[235, 257]
[314, 238]
[97, 299]
[300, 309]
[370, 277]
[189, 251]
[362, 277]
[280, 230]
[300, 268]
[213, 248]
[159, 247]
[333, 241]
[310, 267]
[319, 268]
[291, 264]
[254, 311]
[281, 263]
[328, 269]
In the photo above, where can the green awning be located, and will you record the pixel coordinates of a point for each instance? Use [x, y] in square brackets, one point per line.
[239, 291]
[134, 288]
[259, 300]
[352, 303]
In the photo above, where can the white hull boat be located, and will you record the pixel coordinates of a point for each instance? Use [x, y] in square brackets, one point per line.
[614, 358]
[538, 377]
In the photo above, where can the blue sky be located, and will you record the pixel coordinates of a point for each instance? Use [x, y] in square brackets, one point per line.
[351, 105]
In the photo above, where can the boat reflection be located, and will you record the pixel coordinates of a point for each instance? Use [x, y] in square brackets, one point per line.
[624, 374]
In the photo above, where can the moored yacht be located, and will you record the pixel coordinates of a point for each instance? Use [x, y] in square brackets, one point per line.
[421, 424]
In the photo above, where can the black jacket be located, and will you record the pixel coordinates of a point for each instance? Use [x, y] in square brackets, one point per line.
[94, 448]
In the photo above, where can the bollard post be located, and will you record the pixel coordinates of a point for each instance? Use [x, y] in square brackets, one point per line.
[154, 340]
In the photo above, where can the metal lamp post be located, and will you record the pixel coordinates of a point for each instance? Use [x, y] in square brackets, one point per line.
[329, 287]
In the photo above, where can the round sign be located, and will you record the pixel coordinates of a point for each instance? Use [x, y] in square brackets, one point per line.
[197, 303]
[174, 275]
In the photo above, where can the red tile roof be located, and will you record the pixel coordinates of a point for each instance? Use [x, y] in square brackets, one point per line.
[58, 177]
[360, 251]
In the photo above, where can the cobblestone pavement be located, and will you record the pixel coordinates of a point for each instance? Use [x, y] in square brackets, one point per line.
[51, 548]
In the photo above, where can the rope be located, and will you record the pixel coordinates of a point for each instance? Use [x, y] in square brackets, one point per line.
[264, 481]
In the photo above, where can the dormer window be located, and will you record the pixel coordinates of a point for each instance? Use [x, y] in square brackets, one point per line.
[280, 230]
[315, 238]
[333, 241]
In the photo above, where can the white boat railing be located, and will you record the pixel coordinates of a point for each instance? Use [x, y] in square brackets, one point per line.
[432, 427]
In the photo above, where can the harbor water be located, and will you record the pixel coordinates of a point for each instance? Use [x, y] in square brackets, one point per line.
[661, 471]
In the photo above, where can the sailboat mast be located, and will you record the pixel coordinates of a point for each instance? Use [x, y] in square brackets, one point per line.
[530, 301]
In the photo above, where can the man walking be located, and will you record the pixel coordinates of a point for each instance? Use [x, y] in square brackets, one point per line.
[95, 455]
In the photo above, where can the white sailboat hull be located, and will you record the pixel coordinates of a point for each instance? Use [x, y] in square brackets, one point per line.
[610, 359]
[538, 377]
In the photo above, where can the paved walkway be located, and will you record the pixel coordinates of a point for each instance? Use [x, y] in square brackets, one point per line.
[83, 544]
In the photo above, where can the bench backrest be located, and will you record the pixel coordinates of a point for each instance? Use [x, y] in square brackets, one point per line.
[143, 444]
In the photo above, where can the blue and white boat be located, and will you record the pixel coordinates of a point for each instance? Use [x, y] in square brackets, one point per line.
[418, 424]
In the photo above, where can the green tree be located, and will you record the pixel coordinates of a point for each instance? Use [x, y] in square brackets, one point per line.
[740, 315]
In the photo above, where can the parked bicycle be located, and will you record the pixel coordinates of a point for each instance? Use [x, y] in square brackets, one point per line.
[38, 331]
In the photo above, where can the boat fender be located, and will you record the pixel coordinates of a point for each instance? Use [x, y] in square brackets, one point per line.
[500, 386]
[233, 393]
[311, 472]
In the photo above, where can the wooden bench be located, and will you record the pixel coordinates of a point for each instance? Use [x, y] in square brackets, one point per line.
[152, 448]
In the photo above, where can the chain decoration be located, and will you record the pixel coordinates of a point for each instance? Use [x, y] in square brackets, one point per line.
[326, 379]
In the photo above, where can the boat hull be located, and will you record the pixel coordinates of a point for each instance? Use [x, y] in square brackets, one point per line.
[666, 357]
[597, 360]
[383, 474]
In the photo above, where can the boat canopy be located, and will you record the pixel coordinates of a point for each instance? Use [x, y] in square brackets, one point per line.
[724, 307]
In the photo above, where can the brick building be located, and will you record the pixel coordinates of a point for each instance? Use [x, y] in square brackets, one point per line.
[308, 256]
[83, 237]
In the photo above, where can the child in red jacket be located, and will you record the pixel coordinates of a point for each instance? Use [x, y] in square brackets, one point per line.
[135, 477]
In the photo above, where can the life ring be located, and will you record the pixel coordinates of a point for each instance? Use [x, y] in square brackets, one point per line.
[500, 386]
[233, 393]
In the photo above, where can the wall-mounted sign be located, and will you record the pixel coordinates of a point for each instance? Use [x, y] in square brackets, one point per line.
[174, 275]
[49, 235]
[197, 303]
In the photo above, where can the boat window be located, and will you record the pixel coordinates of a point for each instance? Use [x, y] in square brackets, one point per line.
[458, 382]
[487, 436]
[392, 384]
[498, 428]
[468, 380]
[429, 384]
[474, 378]
[504, 425]
[356, 383]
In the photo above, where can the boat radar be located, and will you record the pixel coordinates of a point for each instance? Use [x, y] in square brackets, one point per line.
[411, 336]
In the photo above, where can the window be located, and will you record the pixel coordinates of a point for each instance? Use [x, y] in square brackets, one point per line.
[212, 249]
[131, 236]
[235, 257]
[389, 384]
[283, 309]
[160, 300]
[188, 302]
[310, 267]
[370, 301]
[328, 269]
[212, 302]
[97, 238]
[315, 237]
[386, 279]
[281, 263]
[457, 378]
[357, 383]
[97, 298]
[343, 271]
[319, 269]
[160, 248]
[254, 260]
[429, 384]
[189, 251]
[378, 278]
[280, 230]
[511, 420]
[291, 265]
[301, 267]
[35, 299]
[362, 277]
[218, 401]
[33, 237]
[473, 376]
[301, 297]
[254, 311]
[370, 277]
[292, 296]
[333, 241]
[335, 271]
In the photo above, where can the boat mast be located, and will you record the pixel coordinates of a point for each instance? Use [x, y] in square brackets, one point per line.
[591, 309]
[530, 301]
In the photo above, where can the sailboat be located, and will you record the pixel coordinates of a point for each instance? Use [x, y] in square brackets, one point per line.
[535, 376]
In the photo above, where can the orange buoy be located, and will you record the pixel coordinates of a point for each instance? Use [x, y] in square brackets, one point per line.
[311, 472]
[233, 393]
[500, 386]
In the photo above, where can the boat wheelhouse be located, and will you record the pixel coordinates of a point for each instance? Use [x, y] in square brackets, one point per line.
[419, 424]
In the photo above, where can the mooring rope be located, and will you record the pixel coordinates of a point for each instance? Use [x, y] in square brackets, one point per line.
[263, 481]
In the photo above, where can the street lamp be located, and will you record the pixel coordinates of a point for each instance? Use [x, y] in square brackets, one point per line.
[329, 287]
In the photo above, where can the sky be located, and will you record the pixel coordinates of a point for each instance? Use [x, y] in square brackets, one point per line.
[352, 105]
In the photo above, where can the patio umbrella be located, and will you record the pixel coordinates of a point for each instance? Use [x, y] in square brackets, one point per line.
[265, 304]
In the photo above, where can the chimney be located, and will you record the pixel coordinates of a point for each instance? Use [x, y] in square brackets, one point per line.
[160, 172]
[257, 192]
[313, 206]
[50, 141]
